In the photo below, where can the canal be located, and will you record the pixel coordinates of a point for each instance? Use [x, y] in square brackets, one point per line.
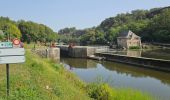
[157, 53]
[119, 75]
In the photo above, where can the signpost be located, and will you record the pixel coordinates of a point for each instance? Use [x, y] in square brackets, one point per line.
[6, 45]
[10, 55]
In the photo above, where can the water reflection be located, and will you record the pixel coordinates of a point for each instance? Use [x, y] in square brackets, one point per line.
[120, 75]
[79, 63]
[137, 71]
[131, 53]
[158, 53]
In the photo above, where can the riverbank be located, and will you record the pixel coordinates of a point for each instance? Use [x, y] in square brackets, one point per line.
[42, 79]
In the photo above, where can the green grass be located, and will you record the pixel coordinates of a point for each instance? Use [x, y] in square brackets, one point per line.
[134, 47]
[42, 79]
[104, 92]
[32, 45]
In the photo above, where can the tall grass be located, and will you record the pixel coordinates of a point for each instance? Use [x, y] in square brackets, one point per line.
[40, 79]
[104, 92]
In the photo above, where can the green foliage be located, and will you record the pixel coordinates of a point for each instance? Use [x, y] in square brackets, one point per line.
[68, 39]
[105, 92]
[33, 32]
[160, 27]
[100, 92]
[26, 31]
[1, 35]
[151, 25]
[89, 37]
[9, 29]
[93, 36]
[12, 30]
[134, 47]
[67, 31]
[41, 79]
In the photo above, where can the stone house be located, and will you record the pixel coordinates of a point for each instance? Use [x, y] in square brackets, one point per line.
[128, 39]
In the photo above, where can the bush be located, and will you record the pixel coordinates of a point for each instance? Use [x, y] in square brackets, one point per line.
[134, 47]
[103, 91]
[100, 92]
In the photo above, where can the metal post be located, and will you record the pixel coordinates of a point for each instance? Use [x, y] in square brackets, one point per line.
[7, 76]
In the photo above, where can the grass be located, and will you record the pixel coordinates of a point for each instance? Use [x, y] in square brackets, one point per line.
[134, 47]
[42, 79]
[104, 92]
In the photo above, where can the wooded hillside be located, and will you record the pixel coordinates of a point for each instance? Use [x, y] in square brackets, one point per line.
[152, 25]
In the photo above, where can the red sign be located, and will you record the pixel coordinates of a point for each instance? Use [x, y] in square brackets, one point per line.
[16, 42]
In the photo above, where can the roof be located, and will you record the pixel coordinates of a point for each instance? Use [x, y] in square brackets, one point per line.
[126, 34]
[123, 34]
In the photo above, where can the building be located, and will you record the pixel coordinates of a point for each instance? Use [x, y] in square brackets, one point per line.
[128, 39]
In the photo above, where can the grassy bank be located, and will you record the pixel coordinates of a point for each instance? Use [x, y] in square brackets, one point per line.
[41, 79]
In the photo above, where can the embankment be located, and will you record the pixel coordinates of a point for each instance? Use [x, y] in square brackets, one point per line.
[156, 64]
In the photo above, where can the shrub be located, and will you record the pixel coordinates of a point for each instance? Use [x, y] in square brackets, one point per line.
[103, 91]
[100, 92]
[134, 47]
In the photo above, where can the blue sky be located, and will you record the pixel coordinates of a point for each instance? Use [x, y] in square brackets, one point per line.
[59, 14]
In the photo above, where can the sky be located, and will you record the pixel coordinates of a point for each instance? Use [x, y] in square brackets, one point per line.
[58, 14]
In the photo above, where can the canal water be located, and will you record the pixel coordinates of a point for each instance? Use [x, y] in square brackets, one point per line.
[157, 54]
[119, 75]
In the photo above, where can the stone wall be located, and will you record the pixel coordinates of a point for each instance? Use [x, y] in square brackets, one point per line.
[41, 52]
[81, 52]
[53, 53]
[157, 64]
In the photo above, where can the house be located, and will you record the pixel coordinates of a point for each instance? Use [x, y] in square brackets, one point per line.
[128, 39]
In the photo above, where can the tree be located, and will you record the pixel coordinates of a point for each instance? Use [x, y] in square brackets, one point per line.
[160, 27]
[33, 32]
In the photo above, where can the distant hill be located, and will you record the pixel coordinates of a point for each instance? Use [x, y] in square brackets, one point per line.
[151, 25]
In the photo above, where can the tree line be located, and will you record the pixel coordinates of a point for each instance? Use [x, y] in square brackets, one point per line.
[151, 25]
[27, 31]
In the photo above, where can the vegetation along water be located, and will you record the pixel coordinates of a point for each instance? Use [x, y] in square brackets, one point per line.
[121, 76]
[42, 79]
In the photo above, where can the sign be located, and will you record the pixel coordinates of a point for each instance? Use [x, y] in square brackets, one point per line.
[12, 59]
[12, 52]
[16, 42]
[6, 45]
[10, 55]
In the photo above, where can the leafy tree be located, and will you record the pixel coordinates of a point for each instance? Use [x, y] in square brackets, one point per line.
[99, 37]
[12, 30]
[160, 27]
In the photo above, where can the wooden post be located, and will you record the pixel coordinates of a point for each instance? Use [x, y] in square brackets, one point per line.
[7, 78]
